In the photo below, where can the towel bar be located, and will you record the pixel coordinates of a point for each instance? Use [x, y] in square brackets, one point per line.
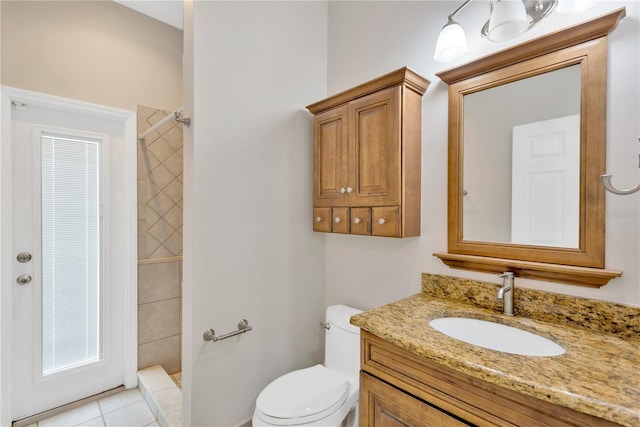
[210, 334]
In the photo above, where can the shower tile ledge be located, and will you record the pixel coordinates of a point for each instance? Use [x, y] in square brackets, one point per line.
[162, 395]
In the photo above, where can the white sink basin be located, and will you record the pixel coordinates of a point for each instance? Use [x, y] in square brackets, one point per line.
[496, 336]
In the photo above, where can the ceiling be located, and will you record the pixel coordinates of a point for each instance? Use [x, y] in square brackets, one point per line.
[167, 11]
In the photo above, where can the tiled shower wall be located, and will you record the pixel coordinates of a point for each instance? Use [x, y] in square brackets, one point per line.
[160, 168]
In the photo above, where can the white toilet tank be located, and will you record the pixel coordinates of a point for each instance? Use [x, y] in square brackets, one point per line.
[342, 343]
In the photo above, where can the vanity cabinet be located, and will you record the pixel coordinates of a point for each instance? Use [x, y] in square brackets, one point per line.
[400, 388]
[367, 151]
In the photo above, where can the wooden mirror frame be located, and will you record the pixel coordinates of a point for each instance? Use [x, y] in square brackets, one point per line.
[584, 44]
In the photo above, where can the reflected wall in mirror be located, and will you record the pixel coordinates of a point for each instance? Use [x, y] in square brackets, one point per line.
[522, 161]
[527, 144]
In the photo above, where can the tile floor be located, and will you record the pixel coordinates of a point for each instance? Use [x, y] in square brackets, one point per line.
[177, 378]
[124, 409]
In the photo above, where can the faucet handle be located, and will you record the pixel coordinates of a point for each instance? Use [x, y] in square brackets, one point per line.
[507, 275]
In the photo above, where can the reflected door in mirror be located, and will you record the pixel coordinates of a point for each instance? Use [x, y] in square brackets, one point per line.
[545, 200]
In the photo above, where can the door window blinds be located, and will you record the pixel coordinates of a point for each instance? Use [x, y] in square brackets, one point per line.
[71, 252]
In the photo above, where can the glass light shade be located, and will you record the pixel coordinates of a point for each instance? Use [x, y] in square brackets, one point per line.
[508, 20]
[575, 6]
[451, 44]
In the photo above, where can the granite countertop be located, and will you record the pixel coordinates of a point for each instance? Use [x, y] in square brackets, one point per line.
[599, 374]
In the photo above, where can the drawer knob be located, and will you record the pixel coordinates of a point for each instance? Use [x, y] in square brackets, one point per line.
[357, 220]
[343, 190]
[349, 190]
[318, 219]
[337, 220]
[381, 221]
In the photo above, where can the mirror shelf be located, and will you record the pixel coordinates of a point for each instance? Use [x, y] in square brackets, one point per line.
[566, 274]
[583, 46]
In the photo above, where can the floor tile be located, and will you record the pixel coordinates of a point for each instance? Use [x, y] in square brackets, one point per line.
[153, 424]
[96, 422]
[73, 417]
[134, 415]
[119, 400]
[177, 378]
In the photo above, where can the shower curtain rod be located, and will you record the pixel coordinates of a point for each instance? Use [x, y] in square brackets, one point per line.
[173, 116]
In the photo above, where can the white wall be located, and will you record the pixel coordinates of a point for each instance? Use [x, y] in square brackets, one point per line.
[368, 39]
[250, 251]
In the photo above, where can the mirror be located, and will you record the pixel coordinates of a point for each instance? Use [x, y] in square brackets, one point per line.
[521, 177]
[527, 143]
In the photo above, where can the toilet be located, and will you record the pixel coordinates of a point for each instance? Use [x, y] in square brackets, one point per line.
[322, 395]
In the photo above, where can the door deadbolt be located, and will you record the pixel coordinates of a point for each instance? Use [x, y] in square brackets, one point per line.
[23, 279]
[24, 257]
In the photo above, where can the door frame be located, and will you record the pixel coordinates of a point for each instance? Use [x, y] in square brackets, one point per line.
[8, 96]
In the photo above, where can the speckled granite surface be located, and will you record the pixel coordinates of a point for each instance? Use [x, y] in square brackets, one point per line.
[599, 374]
[588, 313]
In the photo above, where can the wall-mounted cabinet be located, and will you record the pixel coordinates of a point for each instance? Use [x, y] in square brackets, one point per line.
[367, 151]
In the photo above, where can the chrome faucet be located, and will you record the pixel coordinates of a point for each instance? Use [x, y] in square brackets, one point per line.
[505, 293]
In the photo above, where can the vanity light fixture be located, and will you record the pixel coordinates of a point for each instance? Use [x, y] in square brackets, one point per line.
[507, 20]
[452, 42]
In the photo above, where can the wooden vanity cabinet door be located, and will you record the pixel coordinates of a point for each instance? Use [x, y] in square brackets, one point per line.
[386, 221]
[361, 221]
[341, 220]
[322, 219]
[375, 147]
[330, 158]
[383, 405]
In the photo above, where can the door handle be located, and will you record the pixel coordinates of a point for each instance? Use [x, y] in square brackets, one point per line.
[23, 279]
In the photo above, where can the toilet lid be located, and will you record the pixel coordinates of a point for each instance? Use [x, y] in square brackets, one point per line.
[310, 393]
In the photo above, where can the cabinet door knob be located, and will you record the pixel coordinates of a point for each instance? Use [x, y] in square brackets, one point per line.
[343, 190]
[318, 219]
[381, 221]
[337, 220]
[357, 220]
[349, 190]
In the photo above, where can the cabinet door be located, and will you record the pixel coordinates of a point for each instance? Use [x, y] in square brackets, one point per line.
[382, 405]
[330, 158]
[375, 145]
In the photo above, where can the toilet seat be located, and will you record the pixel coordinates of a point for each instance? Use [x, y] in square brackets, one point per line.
[303, 396]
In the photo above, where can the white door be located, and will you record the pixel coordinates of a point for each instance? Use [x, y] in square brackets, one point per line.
[545, 196]
[68, 311]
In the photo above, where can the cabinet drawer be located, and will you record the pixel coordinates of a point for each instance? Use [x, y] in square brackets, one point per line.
[386, 221]
[341, 220]
[322, 219]
[361, 221]
[385, 406]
